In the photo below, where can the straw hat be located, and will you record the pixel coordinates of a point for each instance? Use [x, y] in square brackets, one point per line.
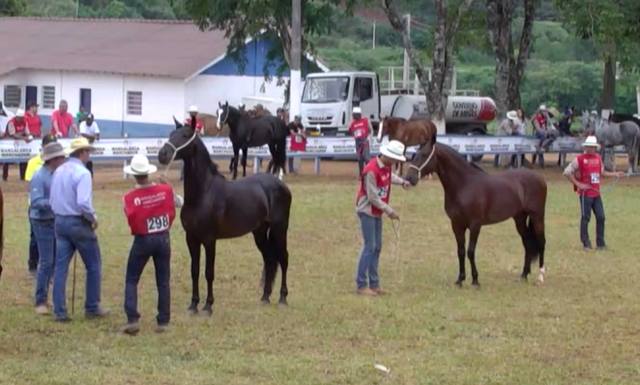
[53, 150]
[591, 141]
[79, 144]
[394, 150]
[140, 166]
[512, 115]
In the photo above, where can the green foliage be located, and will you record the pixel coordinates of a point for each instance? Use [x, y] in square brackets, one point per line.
[12, 7]
[51, 8]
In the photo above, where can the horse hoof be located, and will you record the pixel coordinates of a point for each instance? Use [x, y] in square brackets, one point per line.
[476, 284]
[193, 309]
[459, 283]
[208, 311]
[283, 302]
[524, 279]
[265, 301]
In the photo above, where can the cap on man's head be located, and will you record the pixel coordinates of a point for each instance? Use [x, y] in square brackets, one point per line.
[357, 110]
[193, 108]
[19, 113]
[89, 116]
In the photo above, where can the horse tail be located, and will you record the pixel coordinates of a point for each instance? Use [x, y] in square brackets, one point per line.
[532, 240]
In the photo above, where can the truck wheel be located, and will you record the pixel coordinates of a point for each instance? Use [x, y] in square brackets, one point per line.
[477, 132]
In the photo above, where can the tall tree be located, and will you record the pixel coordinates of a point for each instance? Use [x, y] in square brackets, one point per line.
[615, 27]
[242, 19]
[12, 7]
[445, 28]
[510, 64]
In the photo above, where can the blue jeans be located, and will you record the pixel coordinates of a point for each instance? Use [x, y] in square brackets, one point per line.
[75, 233]
[370, 255]
[158, 247]
[33, 249]
[586, 206]
[45, 237]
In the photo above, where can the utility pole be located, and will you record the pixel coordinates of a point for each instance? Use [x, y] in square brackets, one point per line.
[296, 57]
[77, 8]
[406, 67]
[373, 40]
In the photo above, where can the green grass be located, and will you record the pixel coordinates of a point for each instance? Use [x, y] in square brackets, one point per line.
[580, 327]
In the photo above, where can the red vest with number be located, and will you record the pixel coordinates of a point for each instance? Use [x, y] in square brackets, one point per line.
[359, 128]
[298, 143]
[150, 210]
[383, 183]
[19, 126]
[589, 172]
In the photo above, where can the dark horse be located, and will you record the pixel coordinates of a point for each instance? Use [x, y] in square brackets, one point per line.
[217, 209]
[473, 198]
[246, 131]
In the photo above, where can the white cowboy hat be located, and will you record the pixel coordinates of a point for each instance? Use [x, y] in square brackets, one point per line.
[52, 150]
[512, 115]
[394, 150]
[79, 144]
[193, 108]
[19, 113]
[542, 107]
[140, 166]
[591, 141]
[357, 110]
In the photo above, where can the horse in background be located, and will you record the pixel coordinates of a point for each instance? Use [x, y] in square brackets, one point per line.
[215, 208]
[473, 198]
[610, 134]
[409, 132]
[246, 132]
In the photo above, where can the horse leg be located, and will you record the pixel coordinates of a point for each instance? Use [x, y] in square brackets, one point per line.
[234, 161]
[279, 239]
[471, 253]
[244, 161]
[194, 250]
[521, 226]
[537, 221]
[210, 268]
[459, 231]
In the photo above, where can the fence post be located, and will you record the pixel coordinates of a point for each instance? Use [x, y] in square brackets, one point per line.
[256, 164]
[316, 165]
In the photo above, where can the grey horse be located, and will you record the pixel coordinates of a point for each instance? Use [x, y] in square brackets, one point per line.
[609, 134]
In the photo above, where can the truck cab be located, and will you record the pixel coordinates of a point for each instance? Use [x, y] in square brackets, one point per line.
[328, 100]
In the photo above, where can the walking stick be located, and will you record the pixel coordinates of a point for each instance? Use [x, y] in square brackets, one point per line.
[73, 287]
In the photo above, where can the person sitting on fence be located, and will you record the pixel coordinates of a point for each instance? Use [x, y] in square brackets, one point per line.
[544, 130]
[298, 139]
[89, 129]
[62, 124]
[17, 129]
[564, 126]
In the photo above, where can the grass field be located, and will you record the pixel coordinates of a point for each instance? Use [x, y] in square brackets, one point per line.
[581, 327]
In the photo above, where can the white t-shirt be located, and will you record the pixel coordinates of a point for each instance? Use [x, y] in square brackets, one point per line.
[92, 130]
[4, 120]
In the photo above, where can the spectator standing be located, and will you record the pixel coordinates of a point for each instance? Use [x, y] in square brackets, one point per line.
[75, 224]
[298, 142]
[42, 221]
[90, 130]
[360, 129]
[62, 124]
[150, 210]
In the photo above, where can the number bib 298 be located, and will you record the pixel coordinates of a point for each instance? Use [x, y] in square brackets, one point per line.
[157, 224]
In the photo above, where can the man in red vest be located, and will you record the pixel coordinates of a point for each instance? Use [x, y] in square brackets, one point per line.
[150, 209]
[372, 201]
[17, 129]
[360, 128]
[62, 124]
[33, 120]
[584, 172]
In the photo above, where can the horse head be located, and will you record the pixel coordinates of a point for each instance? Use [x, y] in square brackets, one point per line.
[423, 162]
[223, 114]
[180, 144]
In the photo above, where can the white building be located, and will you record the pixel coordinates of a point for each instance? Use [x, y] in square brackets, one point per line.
[133, 75]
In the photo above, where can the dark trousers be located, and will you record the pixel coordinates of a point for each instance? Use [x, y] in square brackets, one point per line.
[90, 167]
[158, 247]
[586, 206]
[5, 170]
[33, 250]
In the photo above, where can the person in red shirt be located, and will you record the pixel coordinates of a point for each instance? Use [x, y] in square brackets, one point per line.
[150, 209]
[298, 141]
[360, 129]
[17, 129]
[584, 172]
[193, 117]
[372, 201]
[33, 120]
[62, 124]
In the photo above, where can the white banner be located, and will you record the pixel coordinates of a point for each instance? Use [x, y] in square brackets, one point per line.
[122, 149]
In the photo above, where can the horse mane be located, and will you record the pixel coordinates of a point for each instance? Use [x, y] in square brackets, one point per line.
[455, 154]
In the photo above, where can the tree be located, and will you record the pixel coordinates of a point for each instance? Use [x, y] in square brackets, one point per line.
[445, 28]
[12, 7]
[615, 27]
[242, 19]
[510, 65]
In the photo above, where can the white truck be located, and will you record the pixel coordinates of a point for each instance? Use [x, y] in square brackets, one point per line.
[329, 97]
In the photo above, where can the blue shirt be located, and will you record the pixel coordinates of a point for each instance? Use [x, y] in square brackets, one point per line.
[71, 190]
[39, 190]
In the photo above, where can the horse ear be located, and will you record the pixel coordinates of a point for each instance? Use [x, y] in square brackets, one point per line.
[219, 104]
[177, 123]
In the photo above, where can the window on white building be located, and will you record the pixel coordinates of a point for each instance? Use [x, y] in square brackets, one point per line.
[12, 96]
[49, 97]
[134, 102]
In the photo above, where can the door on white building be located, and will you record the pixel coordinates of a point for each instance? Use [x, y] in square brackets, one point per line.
[30, 95]
[85, 99]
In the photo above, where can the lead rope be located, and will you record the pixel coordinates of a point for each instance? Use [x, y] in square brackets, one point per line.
[395, 224]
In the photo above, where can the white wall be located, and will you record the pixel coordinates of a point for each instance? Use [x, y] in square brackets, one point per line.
[206, 91]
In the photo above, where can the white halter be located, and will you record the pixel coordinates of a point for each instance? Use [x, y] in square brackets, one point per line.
[177, 149]
[426, 162]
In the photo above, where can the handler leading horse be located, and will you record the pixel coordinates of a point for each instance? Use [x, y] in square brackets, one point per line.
[216, 209]
[473, 198]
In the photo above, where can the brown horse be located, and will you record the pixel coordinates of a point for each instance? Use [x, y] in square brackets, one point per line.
[1, 229]
[473, 198]
[410, 132]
